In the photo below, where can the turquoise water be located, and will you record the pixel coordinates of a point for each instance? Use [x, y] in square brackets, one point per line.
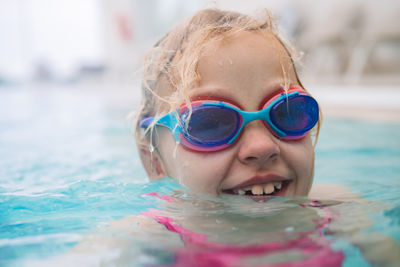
[68, 165]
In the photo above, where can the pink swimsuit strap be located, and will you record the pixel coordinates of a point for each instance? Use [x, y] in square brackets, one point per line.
[200, 252]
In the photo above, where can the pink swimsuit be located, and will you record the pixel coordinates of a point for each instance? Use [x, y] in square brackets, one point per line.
[200, 252]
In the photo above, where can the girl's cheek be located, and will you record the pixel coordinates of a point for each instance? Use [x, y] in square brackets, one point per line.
[299, 156]
[206, 163]
[208, 168]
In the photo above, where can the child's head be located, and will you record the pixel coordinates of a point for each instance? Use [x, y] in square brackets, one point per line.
[231, 57]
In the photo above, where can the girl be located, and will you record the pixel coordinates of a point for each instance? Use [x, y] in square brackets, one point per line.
[225, 114]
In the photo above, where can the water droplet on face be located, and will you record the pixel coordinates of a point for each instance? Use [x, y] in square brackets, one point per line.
[175, 149]
[289, 229]
[151, 148]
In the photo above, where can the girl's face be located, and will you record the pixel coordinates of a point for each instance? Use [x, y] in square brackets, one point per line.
[243, 70]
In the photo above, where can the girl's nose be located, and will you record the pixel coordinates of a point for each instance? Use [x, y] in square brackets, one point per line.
[258, 145]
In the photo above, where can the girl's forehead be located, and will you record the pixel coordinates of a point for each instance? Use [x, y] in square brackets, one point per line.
[243, 62]
[245, 53]
[245, 65]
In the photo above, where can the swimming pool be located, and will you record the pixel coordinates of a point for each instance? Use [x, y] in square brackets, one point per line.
[68, 165]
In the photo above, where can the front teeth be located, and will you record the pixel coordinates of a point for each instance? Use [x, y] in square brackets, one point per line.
[260, 189]
[269, 188]
[257, 190]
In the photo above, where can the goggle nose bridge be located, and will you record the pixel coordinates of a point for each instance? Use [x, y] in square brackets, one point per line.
[249, 116]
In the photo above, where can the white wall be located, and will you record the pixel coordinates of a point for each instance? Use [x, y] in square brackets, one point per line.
[62, 34]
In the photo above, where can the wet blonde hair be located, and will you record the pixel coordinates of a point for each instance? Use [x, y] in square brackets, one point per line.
[171, 66]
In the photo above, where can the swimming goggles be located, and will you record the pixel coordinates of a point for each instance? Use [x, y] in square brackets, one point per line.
[215, 125]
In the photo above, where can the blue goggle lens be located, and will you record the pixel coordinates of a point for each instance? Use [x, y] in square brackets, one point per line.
[295, 115]
[211, 125]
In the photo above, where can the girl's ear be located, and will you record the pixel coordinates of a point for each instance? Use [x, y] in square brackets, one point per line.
[151, 162]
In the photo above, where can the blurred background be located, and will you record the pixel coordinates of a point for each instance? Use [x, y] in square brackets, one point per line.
[351, 46]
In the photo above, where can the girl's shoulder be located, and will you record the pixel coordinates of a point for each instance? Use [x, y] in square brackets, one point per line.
[333, 191]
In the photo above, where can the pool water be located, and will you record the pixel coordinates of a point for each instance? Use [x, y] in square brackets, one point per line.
[68, 166]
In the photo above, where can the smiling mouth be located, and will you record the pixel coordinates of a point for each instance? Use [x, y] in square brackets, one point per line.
[260, 192]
